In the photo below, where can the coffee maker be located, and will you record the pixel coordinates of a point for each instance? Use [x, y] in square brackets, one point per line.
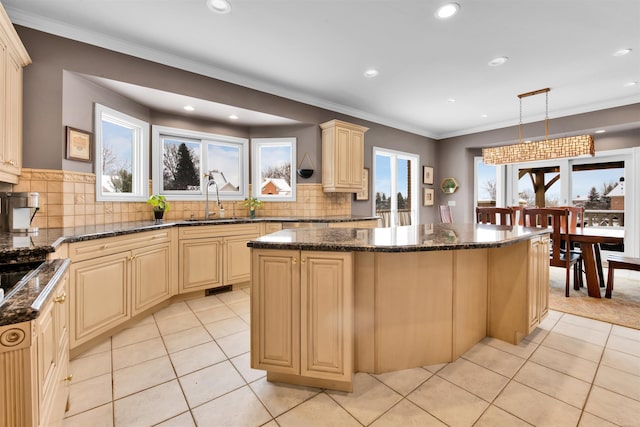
[17, 211]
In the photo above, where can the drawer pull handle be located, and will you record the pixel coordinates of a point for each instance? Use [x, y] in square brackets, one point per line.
[131, 258]
[60, 298]
[10, 162]
[105, 246]
[68, 377]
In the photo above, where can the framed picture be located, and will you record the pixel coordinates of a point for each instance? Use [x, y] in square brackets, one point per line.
[364, 193]
[427, 175]
[428, 194]
[78, 145]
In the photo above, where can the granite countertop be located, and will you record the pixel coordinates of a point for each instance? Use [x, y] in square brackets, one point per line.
[27, 301]
[421, 237]
[36, 246]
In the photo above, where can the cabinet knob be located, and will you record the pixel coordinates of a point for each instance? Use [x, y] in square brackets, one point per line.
[131, 258]
[68, 377]
[294, 260]
[60, 298]
[10, 162]
[303, 260]
[105, 246]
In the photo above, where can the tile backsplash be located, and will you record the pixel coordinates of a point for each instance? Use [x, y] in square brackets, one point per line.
[68, 199]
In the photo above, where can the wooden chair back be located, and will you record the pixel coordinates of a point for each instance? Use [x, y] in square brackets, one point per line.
[445, 214]
[518, 217]
[556, 220]
[502, 216]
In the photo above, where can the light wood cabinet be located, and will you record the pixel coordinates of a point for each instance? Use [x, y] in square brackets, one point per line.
[302, 317]
[117, 278]
[13, 57]
[271, 227]
[342, 156]
[34, 365]
[518, 297]
[367, 223]
[214, 256]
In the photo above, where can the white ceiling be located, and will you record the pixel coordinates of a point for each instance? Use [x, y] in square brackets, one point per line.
[316, 51]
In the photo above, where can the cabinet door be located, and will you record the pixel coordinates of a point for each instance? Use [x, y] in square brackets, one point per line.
[344, 157]
[150, 277]
[326, 293]
[275, 311]
[100, 296]
[543, 278]
[533, 286]
[47, 351]
[200, 265]
[12, 153]
[237, 259]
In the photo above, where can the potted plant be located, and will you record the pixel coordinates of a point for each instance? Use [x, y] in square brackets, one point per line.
[160, 205]
[252, 203]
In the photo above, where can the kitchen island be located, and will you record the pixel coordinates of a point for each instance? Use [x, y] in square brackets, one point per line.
[326, 303]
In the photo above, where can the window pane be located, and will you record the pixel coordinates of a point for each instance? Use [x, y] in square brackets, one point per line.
[599, 188]
[486, 184]
[117, 148]
[539, 186]
[383, 184]
[275, 170]
[180, 165]
[226, 160]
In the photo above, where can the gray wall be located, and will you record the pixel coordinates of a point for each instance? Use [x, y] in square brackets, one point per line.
[455, 155]
[49, 106]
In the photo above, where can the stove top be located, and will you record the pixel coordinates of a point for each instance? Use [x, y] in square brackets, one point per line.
[12, 275]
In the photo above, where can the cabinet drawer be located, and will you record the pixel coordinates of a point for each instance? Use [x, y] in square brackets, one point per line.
[195, 232]
[110, 245]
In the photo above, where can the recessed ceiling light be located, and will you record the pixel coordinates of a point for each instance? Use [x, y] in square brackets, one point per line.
[189, 108]
[371, 72]
[447, 10]
[451, 100]
[234, 117]
[496, 62]
[219, 6]
[621, 52]
[600, 131]
[484, 116]
[630, 84]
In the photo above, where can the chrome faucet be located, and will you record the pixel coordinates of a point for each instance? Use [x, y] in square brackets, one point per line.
[210, 181]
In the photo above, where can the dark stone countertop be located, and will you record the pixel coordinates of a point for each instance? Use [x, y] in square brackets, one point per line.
[25, 302]
[421, 237]
[35, 246]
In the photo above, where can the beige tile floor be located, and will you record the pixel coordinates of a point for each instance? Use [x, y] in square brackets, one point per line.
[188, 365]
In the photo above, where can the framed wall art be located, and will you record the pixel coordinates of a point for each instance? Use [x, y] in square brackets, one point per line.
[428, 194]
[364, 193]
[427, 175]
[78, 145]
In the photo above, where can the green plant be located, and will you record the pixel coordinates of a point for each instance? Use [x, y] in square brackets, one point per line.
[159, 203]
[252, 203]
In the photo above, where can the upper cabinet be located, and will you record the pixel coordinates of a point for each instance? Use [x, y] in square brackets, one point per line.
[342, 156]
[13, 57]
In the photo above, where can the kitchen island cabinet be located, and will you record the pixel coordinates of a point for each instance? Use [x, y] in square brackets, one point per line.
[303, 306]
[422, 295]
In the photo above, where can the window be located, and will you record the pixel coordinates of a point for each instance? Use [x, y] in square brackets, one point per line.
[122, 156]
[273, 160]
[181, 158]
[489, 185]
[395, 186]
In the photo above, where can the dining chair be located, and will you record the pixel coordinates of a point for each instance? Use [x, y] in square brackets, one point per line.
[556, 220]
[445, 214]
[518, 218]
[491, 215]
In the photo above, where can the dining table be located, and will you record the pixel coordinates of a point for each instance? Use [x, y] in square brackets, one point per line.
[590, 239]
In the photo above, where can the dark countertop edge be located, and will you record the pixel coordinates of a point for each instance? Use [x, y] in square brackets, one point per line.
[130, 228]
[334, 247]
[26, 303]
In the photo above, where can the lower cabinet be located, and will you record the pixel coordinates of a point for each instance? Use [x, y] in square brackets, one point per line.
[302, 317]
[214, 256]
[538, 283]
[115, 279]
[34, 365]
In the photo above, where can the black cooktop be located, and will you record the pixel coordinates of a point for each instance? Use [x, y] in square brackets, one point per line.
[12, 274]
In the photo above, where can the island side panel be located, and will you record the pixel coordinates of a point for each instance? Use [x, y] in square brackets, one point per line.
[413, 309]
[364, 277]
[469, 299]
[508, 310]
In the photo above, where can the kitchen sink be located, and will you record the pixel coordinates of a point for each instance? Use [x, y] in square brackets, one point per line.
[12, 276]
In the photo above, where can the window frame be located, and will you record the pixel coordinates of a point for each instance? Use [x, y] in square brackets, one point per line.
[394, 155]
[204, 139]
[139, 155]
[256, 145]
